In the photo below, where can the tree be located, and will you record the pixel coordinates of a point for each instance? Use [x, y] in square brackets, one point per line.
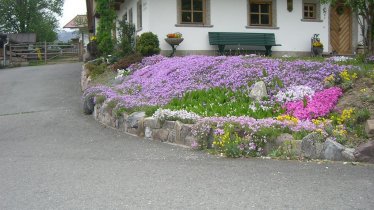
[105, 38]
[31, 16]
[365, 14]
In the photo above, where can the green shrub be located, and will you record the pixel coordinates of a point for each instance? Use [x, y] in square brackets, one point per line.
[148, 44]
[126, 38]
[127, 61]
[96, 70]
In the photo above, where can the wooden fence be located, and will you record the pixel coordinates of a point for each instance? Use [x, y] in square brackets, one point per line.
[43, 52]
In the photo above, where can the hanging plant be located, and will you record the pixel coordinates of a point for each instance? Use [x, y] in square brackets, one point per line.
[290, 5]
[340, 10]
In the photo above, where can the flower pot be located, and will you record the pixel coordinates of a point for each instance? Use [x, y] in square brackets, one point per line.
[174, 41]
[317, 51]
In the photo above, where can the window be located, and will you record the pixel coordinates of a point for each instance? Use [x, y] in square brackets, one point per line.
[262, 14]
[139, 15]
[124, 17]
[310, 11]
[193, 13]
[130, 16]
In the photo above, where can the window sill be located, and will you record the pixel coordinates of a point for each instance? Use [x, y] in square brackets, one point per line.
[261, 27]
[139, 29]
[311, 20]
[194, 25]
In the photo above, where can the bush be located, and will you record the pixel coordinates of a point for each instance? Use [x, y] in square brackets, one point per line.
[96, 70]
[148, 44]
[126, 38]
[127, 61]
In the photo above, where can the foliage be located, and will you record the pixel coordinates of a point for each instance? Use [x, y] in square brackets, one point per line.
[223, 102]
[31, 16]
[105, 26]
[126, 38]
[127, 61]
[96, 70]
[148, 44]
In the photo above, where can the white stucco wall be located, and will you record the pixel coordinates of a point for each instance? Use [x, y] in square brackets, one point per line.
[231, 16]
[160, 17]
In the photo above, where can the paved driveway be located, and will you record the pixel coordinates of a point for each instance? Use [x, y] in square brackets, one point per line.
[54, 157]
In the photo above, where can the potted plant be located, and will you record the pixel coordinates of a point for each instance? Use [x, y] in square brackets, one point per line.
[174, 39]
[317, 46]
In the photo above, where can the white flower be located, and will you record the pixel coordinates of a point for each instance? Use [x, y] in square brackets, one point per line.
[294, 93]
[165, 114]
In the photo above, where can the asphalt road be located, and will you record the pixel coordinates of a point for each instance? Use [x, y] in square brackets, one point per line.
[52, 156]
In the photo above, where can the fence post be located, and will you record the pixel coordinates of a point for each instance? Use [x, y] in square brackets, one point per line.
[10, 54]
[45, 52]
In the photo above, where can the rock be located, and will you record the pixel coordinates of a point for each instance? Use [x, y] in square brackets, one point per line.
[178, 129]
[148, 133]
[160, 134]
[348, 154]
[169, 125]
[365, 152]
[259, 91]
[310, 147]
[118, 80]
[89, 104]
[369, 128]
[171, 136]
[133, 119]
[189, 140]
[296, 147]
[332, 150]
[152, 123]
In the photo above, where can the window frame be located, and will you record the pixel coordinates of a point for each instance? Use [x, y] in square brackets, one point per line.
[139, 14]
[131, 16]
[205, 13]
[272, 15]
[317, 14]
[308, 11]
[259, 14]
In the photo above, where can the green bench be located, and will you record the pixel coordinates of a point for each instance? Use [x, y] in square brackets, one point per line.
[251, 39]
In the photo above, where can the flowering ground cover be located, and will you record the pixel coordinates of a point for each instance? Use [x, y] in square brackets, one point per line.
[213, 92]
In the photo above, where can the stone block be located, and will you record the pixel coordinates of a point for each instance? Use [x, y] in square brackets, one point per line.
[348, 154]
[169, 125]
[311, 147]
[148, 133]
[332, 150]
[369, 128]
[160, 134]
[259, 91]
[141, 128]
[133, 119]
[178, 131]
[365, 152]
[172, 136]
[152, 123]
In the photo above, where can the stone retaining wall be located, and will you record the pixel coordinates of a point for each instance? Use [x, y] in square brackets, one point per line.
[148, 127]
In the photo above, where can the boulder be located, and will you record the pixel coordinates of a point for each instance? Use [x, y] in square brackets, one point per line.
[259, 91]
[148, 133]
[160, 134]
[348, 154]
[332, 150]
[152, 123]
[369, 128]
[282, 138]
[169, 125]
[310, 146]
[133, 119]
[365, 152]
[89, 104]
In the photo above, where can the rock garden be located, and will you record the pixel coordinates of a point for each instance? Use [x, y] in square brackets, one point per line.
[239, 106]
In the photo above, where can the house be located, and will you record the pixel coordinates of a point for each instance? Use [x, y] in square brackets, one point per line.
[294, 22]
[79, 23]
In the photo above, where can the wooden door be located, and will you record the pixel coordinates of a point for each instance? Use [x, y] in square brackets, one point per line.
[341, 29]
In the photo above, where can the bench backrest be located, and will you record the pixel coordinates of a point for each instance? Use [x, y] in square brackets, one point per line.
[233, 38]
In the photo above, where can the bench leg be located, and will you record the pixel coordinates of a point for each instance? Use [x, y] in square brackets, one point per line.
[221, 49]
[268, 51]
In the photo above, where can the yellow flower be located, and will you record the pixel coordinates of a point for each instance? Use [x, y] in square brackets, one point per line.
[330, 79]
[288, 118]
[348, 77]
[363, 90]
